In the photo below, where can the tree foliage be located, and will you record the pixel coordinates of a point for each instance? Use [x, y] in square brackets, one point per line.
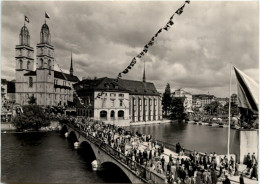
[33, 117]
[166, 100]
[213, 108]
[177, 109]
[32, 100]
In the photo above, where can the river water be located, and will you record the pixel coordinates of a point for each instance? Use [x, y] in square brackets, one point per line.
[49, 158]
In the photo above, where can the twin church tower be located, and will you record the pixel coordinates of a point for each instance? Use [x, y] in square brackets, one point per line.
[48, 86]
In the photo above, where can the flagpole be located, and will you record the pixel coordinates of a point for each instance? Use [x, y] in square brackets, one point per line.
[229, 109]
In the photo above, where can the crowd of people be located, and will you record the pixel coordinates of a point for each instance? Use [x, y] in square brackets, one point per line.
[179, 168]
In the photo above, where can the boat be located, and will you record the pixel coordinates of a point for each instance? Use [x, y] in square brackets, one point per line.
[222, 124]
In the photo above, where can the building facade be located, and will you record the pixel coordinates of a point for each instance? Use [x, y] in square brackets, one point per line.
[48, 86]
[200, 100]
[187, 101]
[123, 102]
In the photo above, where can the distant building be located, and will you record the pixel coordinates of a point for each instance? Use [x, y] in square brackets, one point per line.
[48, 86]
[222, 101]
[7, 99]
[123, 102]
[234, 98]
[187, 98]
[200, 100]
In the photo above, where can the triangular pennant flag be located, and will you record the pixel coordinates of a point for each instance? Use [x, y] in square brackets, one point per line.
[167, 27]
[188, 1]
[145, 50]
[152, 38]
[129, 67]
[170, 22]
[139, 56]
[119, 75]
[172, 16]
[46, 15]
[180, 10]
[146, 46]
[151, 43]
[125, 71]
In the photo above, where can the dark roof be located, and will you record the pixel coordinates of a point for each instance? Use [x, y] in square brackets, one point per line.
[131, 86]
[69, 77]
[30, 73]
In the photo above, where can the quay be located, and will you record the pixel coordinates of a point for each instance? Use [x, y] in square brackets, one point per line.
[145, 172]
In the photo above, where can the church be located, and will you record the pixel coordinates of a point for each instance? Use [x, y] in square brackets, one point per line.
[46, 85]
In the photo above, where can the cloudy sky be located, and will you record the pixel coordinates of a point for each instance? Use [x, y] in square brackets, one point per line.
[195, 54]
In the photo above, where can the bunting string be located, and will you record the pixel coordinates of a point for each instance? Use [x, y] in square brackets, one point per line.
[168, 25]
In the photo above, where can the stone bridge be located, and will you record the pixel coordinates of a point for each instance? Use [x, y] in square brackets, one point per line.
[135, 172]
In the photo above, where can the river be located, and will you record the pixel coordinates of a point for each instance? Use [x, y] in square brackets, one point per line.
[47, 157]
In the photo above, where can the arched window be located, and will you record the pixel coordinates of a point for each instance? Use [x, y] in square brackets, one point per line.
[49, 62]
[41, 63]
[30, 82]
[120, 114]
[21, 64]
[103, 115]
[112, 115]
[28, 65]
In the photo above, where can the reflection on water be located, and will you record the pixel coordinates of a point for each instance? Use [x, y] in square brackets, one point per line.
[193, 137]
[49, 158]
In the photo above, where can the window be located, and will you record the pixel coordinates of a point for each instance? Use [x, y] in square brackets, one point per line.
[30, 82]
[21, 64]
[121, 95]
[41, 63]
[28, 65]
[120, 103]
[49, 62]
[64, 83]
[112, 103]
[112, 94]
[103, 115]
[120, 114]
[55, 81]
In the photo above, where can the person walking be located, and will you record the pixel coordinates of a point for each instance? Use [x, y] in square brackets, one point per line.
[241, 179]
[163, 161]
[254, 172]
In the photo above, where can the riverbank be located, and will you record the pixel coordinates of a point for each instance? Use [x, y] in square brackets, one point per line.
[164, 121]
[10, 127]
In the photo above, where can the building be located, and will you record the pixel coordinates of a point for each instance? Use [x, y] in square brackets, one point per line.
[123, 102]
[187, 98]
[7, 99]
[48, 86]
[222, 101]
[200, 100]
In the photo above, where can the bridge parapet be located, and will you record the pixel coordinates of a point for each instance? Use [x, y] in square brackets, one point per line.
[136, 172]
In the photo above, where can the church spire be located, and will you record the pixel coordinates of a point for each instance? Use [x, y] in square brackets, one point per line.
[144, 78]
[71, 66]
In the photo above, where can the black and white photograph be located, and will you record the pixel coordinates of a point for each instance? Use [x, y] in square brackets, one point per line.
[129, 92]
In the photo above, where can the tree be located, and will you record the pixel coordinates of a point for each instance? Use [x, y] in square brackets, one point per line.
[233, 108]
[177, 109]
[33, 117]
[166, 100]
[212, 108]
[32, 100]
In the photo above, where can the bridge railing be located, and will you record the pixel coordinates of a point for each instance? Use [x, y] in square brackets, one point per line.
[141, 171]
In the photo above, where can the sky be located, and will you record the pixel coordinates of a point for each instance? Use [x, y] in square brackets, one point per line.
[104, 36]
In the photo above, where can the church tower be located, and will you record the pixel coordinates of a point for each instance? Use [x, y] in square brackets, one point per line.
[24, 63]
[23, 52]
[144, 78]
[45, 67]
[71, 66]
